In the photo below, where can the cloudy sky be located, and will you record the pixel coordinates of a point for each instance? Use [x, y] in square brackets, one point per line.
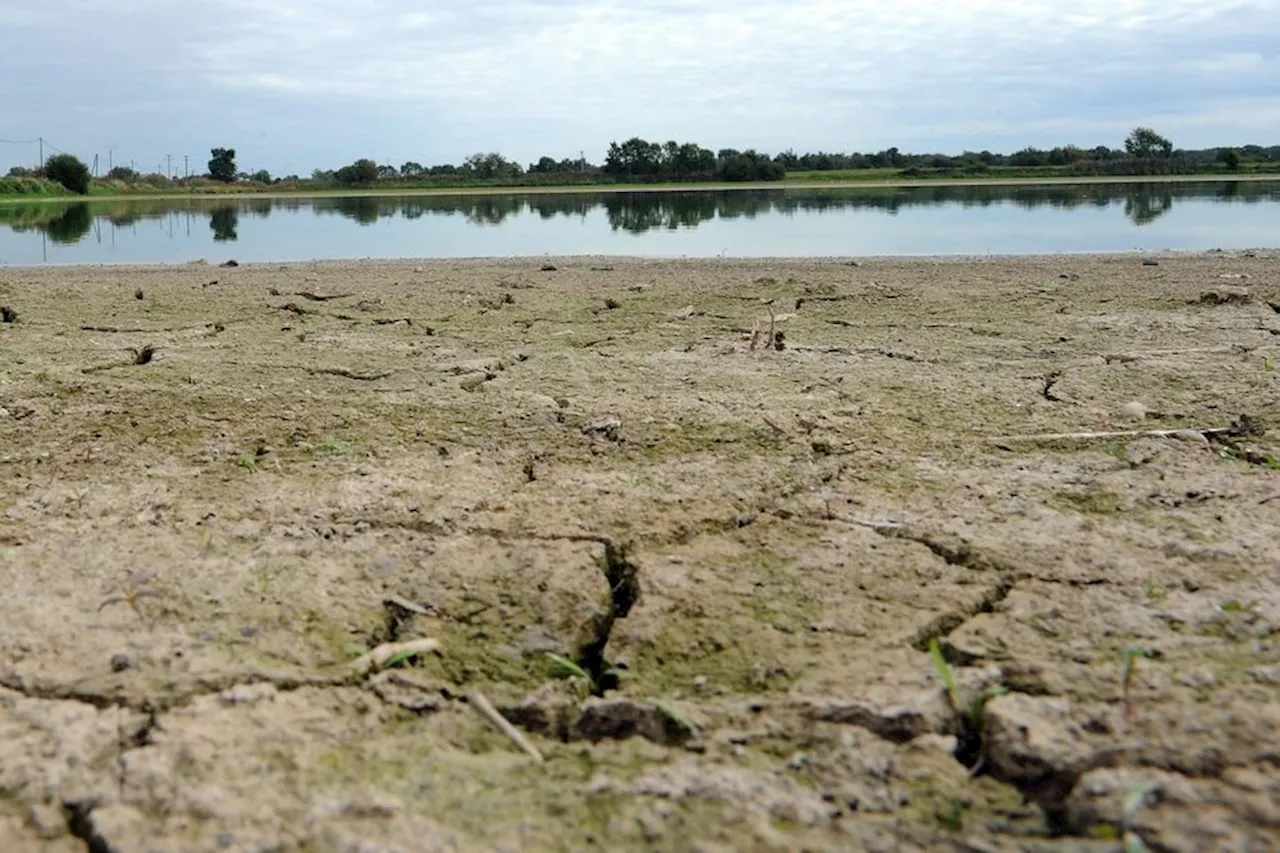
[296, 84]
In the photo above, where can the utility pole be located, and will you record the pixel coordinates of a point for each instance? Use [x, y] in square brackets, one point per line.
[95, 166]
[168, 165]
[111, 158]
[186, 166]
[41, 165]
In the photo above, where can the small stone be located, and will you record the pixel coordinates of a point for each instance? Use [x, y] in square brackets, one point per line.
[417, 269]
[1150, 262]
[248, 694]
[606, 427]
[4, 413]
[548, 267]
[1193, 436]
[1133, 410]
[1226, 296]
[473, 381]
[120, 662]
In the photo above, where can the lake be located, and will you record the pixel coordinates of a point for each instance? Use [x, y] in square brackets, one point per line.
[792, 222]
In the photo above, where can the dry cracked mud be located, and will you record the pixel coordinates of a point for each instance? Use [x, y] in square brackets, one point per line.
[745, 498]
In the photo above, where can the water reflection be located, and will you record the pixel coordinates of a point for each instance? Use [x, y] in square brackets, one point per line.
[630, 213]
[70, 225]
[223, 221]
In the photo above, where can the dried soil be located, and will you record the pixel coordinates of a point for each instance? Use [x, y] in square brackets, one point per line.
[748, 542]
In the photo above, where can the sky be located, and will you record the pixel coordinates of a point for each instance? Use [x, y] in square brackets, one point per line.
[293, 85]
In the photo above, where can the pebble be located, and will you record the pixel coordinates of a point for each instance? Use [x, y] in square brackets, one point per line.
[120, 662]
[1192, 435]
[1133, 410]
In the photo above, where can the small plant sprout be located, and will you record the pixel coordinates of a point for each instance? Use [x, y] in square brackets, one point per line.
[1141, 795]
[944, 673]
[1268, 364]
[1152, 590]
[1131, 655]
[133, 591]
[562, 667]
[330, 446]
[674, 714]
[975, 711]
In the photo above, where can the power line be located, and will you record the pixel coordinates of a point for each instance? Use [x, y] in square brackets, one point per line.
[19, 141]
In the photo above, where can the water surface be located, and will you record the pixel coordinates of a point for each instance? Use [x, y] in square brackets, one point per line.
[984, 219]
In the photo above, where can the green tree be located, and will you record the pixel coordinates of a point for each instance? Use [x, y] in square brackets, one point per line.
[633, 157]
[68, 171]
[492, 165]
[362, 171]
[223, 165]
[1144, 142]
[123, 173]
[262, 176]
[1230, 158]
[412, 169]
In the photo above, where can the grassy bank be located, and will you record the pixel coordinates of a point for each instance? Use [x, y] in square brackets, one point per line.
[29, 189]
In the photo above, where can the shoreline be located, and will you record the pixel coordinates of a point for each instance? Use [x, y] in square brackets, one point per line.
[1263, 252]
[876, 184]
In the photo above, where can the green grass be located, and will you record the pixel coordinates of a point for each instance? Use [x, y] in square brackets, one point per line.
[834, 178]
[25, 188]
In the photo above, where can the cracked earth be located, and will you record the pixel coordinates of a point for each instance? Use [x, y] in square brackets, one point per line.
[693, 527]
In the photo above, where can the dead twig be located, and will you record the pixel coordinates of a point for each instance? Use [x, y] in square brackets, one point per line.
[477, 700]
[318, 297]
[775, 427]
[348, 374]
[380, 656]
[1125, 433]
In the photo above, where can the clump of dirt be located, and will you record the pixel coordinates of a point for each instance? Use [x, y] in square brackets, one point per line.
[702, 569]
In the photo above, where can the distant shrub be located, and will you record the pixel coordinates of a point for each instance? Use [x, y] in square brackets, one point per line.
[68, 171]
[362, 171]
[123, 173]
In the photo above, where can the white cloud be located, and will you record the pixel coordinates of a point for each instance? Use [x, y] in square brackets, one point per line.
[431, 81]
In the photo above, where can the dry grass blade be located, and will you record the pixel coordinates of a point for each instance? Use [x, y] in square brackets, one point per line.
[477, 700]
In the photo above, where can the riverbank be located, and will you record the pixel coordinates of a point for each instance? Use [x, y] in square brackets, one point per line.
[807, 183]
[743, 496]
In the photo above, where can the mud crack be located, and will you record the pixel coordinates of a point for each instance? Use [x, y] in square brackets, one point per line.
[941, 626]
[79, 816]
[953, 549]
[177, 696]
[624, 592]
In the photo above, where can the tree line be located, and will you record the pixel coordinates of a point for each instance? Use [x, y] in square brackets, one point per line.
[637, 160]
